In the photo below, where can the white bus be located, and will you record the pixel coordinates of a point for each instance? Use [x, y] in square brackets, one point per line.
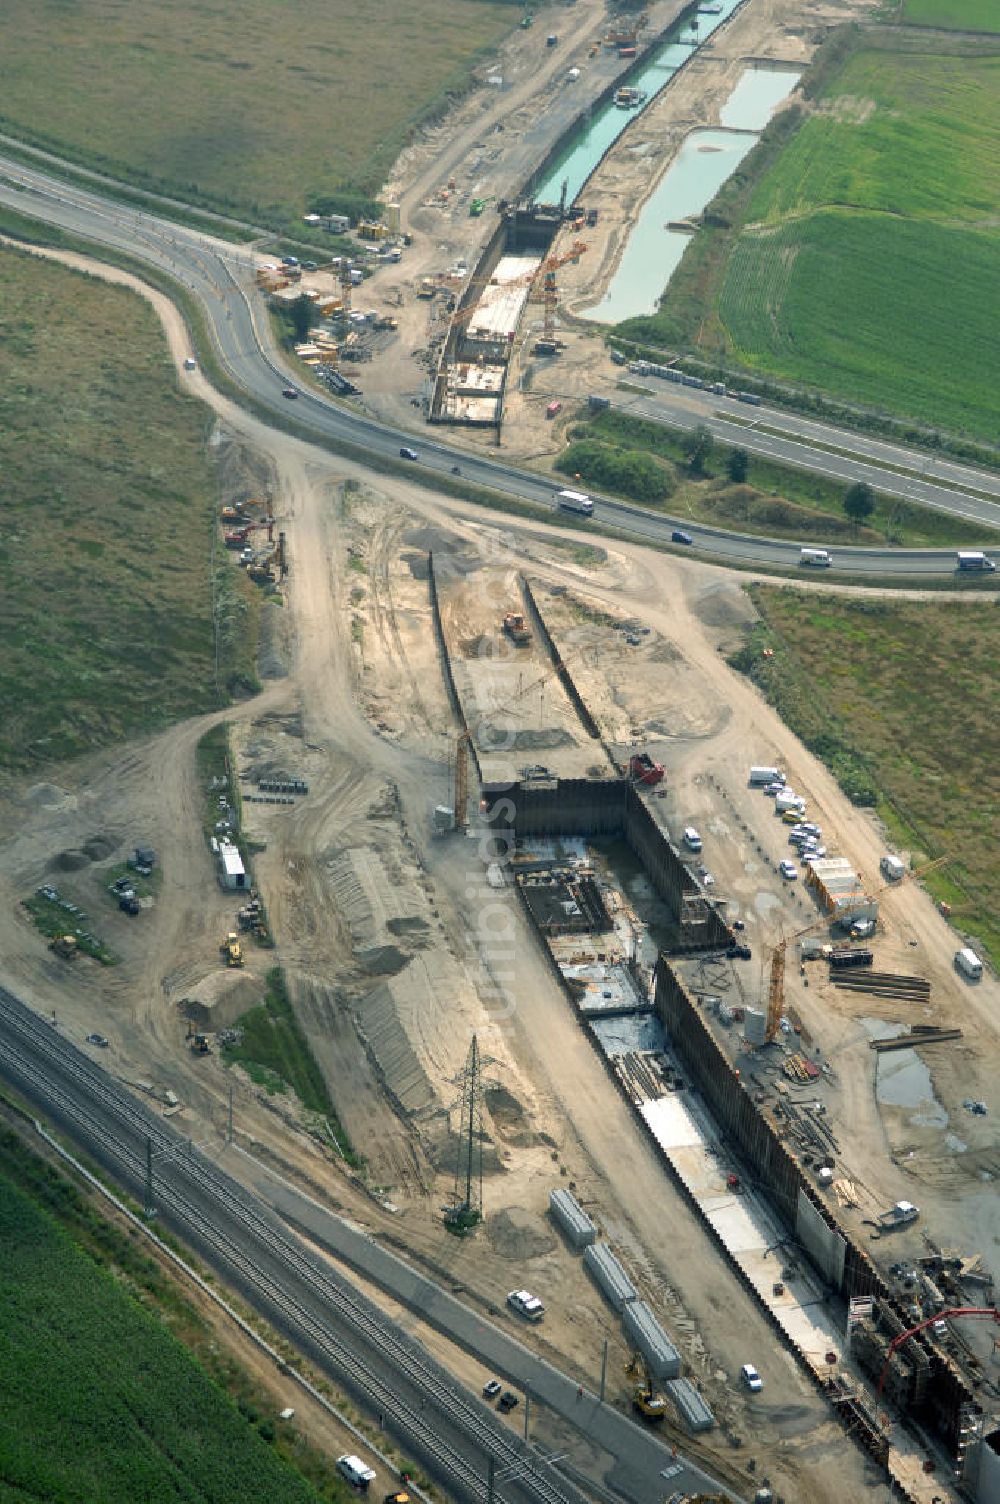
[575, 501]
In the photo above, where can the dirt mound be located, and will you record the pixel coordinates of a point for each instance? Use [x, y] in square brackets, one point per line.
[381, 960]
[99, 847]
[411, 926]
[49, 796]
[273, 656]
[518, 1235]
[69, 861]
[528, 740]
[219, 999]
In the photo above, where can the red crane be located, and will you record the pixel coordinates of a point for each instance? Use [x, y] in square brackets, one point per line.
[897, 1342]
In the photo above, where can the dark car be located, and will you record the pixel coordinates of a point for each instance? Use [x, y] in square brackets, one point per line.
[508, 1401]
[738, 952]
[677, 536]
[492, 1389]
[408, 454]
[99, 1040]
[289, 391]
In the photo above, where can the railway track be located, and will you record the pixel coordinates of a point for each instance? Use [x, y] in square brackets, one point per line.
[456, 1437]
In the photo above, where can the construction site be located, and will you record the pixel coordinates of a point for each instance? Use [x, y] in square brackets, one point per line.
[492, 815]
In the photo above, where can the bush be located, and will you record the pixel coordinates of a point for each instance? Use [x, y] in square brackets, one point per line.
[626, 471]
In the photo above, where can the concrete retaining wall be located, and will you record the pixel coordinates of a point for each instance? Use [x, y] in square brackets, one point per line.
[446, 669]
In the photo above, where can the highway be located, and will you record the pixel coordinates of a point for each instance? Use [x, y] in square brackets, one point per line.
[219, 276]
[439, 1423]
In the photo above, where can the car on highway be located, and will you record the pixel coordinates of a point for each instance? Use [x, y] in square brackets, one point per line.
[751, 1378]
[508, 1402]
[289, 391]
[99, 1040]
[679, 536]
[406, 453]
[788, 870]
[526, 1304]
[492, 1389]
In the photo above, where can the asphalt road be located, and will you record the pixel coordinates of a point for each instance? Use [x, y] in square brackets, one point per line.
[218, 275]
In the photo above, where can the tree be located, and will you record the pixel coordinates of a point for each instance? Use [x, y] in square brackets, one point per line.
[859, 502]
[302, 318]
[698, 446]
[739, 465]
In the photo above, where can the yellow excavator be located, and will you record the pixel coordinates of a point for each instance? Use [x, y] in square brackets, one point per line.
[650, 1405]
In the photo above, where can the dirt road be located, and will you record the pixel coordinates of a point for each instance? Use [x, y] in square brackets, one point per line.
[370, 788]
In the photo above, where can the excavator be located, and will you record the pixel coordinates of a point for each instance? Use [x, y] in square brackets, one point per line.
[650, 1405]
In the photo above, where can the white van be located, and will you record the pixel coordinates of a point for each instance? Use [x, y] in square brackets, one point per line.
[892, 868]
[817, 557]
[575, 501]
[692, 840]
[969, 964]
[357, 1473]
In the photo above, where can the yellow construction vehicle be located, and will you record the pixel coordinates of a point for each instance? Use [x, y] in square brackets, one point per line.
[232, 949]
[200, 1044]
[65, 946]
[650, 1405]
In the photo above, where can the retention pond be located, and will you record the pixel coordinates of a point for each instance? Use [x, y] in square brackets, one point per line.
[706, 159]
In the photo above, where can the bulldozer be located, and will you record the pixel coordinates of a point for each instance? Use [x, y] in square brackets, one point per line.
[517, 629]
[650, 1405]
[65, 946]
[232, 949]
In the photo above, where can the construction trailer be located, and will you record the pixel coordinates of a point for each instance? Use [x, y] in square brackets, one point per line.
[232, 873]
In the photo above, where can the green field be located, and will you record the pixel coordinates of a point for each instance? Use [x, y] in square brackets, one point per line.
[255, 107]
[968, 15]
[863, 260]
[776, 501]
[99, 1401]
[109, 499]
[899, 700]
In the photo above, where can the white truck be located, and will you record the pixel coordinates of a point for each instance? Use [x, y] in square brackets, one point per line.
[760, 777]
[975, 561]
[817, 558]
[575, 501]
[788, 799]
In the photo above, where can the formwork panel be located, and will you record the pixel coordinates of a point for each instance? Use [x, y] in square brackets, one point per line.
[690, 1405]
[609, 1276]
[570, 1217]
[645, 1333]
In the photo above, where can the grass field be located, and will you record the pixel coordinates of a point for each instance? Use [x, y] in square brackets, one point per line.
[921, 739]
[275, 1054]
[776, 501]
[109, 498]
[99, 1401]
[864, 259]
[968, 15]
[253, 106]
